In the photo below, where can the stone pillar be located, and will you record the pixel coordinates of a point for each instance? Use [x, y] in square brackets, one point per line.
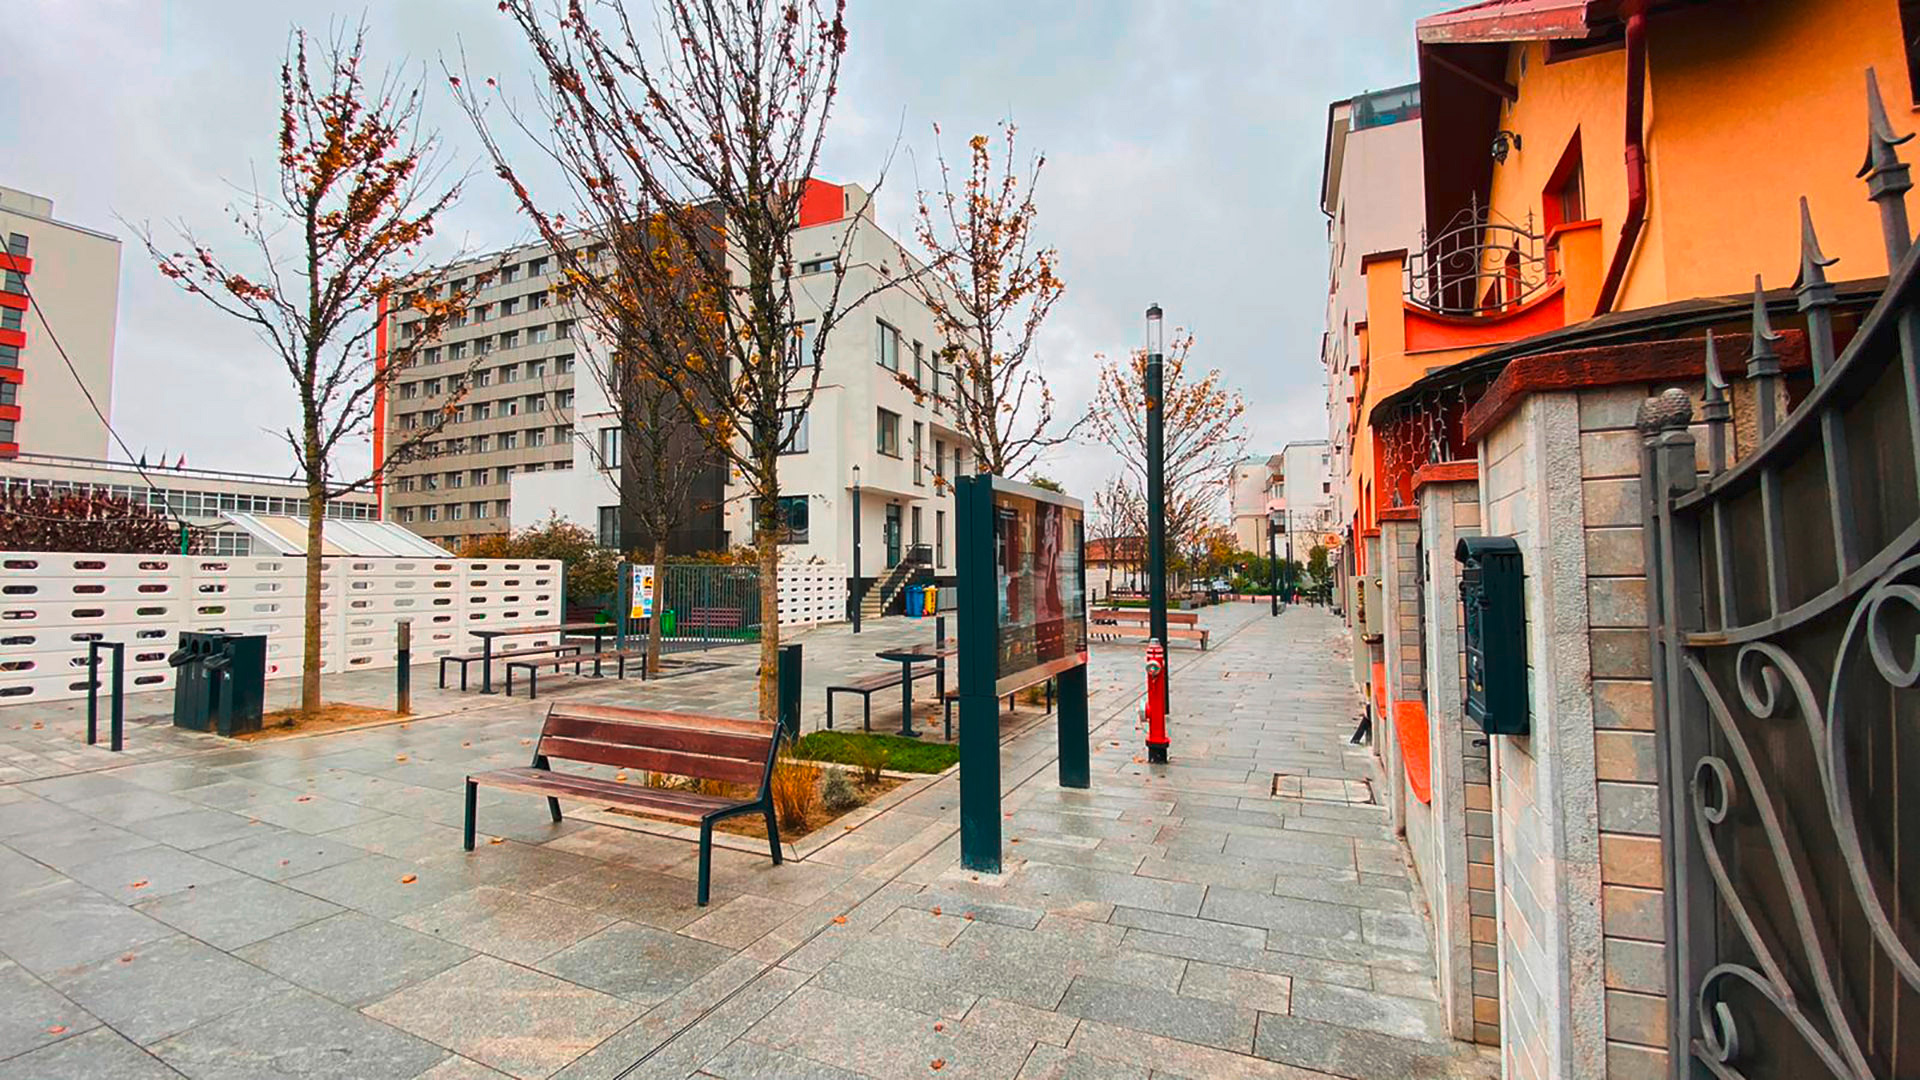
[1459, 885]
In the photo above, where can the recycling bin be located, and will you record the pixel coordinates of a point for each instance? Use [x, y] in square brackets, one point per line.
[220, 681]
[916, 600]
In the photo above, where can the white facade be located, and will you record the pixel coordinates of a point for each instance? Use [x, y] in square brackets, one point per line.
[1374, 195]
[73, 276]
[1295, 481]
[873, 354]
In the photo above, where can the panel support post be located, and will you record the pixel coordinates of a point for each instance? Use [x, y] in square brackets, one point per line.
[979, 667]
[1071, 714]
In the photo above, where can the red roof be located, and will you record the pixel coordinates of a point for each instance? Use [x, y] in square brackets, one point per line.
[1508, 20]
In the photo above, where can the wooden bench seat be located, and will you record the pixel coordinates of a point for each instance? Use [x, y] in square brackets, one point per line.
[1143, 616]
[1137, 630]
[475, 658]
[681, 744]
[870, 686]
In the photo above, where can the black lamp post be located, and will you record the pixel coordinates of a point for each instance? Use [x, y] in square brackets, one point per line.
[1156, 504]
[855, 594]
[1273, 559]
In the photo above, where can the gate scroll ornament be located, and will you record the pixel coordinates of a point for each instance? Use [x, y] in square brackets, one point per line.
[1784, 592]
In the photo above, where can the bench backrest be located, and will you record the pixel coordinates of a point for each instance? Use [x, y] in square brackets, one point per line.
[683, 744]
[1183, 618]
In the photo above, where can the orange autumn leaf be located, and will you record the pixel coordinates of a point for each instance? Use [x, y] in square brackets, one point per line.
[303, 798]
[839, 920]
[936, 911]
[938, 1064]
[497, 840]
[938, 1026]
[57, 1029]
[409, 879]
[141, 884]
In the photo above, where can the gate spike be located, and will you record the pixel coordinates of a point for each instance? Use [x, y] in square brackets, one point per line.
[1816, 295]
[1813, 261]
[1886, 175]
[1716, 382]
[1763, 361]
[1880, 137]
[1715, 410]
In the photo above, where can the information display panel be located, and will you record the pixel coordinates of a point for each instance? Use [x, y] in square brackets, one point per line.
[1038, 545]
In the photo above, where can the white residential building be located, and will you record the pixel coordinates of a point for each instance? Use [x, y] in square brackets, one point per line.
[72, 275]
[865, 416]
[1296, 482]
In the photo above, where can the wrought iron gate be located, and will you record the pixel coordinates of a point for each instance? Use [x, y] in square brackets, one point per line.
[1784, 594]
[706, 604]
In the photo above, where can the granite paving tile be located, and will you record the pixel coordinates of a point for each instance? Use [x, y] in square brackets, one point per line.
[879, 984]
[1352, 1007]
[33, 1014]
[238, 911]
[381, 886]
[522, 1022]
[298, 1035]
[271, 852]
[99, 1054]
[510, 925]
[65, 926]
[353, 958]
[880, 1040]
[1209, 1023]
[163, 988]
[749, 1060]
[1059, 1063]
[639, 963]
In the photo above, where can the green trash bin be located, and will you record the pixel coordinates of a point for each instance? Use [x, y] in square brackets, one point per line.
[667, 620]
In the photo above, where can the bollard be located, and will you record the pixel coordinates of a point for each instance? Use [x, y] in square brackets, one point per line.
[790, 690]
[403, 677]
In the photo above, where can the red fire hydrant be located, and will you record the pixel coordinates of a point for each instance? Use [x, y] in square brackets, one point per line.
[1156, 707]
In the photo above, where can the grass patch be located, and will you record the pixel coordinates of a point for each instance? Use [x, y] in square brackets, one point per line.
[903, 755]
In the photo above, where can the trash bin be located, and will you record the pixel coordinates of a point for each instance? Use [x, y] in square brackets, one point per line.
[932, 596]
[916, 600]
[220, 682]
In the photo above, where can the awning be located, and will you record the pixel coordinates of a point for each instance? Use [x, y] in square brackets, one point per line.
[1507, 20]
[288, 536]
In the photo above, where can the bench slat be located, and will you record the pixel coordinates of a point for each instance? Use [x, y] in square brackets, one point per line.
[655, 718]
[641, 757]
[725, 744]
[683, 805]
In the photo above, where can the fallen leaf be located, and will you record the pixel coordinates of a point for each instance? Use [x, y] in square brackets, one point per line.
[1138, 760]
[969, 916]
[497, 840]
[938, 1064]
[848, 828]
[286, 862]
[38, 726]
[141, 884]
[620, 776]
[1015, 840]
[399, 757]
[409, 879]
[839, 920]
[127, 959]
[57, 1029]
[937, 1026]
[526, 742]
[303, 798]
[466, 744]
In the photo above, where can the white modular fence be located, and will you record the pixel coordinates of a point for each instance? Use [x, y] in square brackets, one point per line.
[53, 603]
[812, 593]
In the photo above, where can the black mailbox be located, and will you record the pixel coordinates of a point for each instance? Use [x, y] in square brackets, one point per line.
[1494, 603]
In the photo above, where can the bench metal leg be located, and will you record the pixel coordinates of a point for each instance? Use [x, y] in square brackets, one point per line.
[443, 672]
[553, 807]
[773, 834]
[706, 859]
[829, 710]
[533, 682]
[510, 679]
[473, 791]
[866, 718]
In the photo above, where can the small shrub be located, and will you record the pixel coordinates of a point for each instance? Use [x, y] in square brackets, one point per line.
[796, 789]
[869, 757]
[836, 791]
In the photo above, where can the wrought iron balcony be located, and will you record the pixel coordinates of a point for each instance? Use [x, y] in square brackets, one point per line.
[1480, 265]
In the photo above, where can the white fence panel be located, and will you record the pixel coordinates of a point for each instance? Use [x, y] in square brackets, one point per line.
[812, 593]
[53, 603]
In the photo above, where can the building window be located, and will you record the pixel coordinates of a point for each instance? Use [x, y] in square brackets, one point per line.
[609, 447]
[482, 410]
[16, 244]
[817, 266]
[479, 511]
[433, 513]
[1564, 200]
[536, 369]
[802, 346]
[15, 283]
[563, 399]
[510, 339]
[919, 365]
[564, 365]
[536, 403]
[510, 407]
[9, 356]
[919, 466]
[939, 538]
[536, 301]
[537, 437]
[456, 512]
[510, 274]
[564, 330]
[939, 458]
[456, 479]
[509, 440]
[11, 319]
[888, 347]
[793, 423]
[609, 527]
[509, 306]
[510, 373]
[479, 477]
[792, 524]
[536, 267]
[887, 433]
[539, 334]
[9, 393]
[503, 474]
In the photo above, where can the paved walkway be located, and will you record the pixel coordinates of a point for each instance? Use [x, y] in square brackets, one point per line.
[302, 907]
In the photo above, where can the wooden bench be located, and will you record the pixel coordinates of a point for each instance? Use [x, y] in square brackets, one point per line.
[475, 658]
[870, 686]
[952, 696]
[619, 656]
[1142, 616]
[682, 744]
[532, 667]
[1137, 630]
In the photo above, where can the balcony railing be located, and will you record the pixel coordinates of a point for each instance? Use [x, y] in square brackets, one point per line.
[1480, 265]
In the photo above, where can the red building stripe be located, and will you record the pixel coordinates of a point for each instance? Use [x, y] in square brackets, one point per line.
[16, 262]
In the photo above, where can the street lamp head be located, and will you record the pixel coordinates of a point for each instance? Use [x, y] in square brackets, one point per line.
[856, 476]
[1156, 335]
[1277, 519]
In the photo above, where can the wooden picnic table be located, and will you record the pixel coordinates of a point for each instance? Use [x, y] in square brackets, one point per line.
[487, 634]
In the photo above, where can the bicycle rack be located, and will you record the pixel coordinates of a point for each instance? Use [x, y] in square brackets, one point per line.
[118, 704]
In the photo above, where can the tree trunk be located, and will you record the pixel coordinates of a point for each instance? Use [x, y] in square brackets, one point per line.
[653, 624]
[768, 544]
[310, 656]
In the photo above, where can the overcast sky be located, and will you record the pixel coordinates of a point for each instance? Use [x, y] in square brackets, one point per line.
[1184, 146]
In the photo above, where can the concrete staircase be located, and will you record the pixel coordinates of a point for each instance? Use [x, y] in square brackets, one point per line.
[879, 598]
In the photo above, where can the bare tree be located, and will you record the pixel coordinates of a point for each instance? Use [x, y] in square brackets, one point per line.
[1202, 430]
[1118, 520]
[990, 288]
[698, 134]
[359, 193]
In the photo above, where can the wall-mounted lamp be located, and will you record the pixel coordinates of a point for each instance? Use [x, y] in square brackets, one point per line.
[1504, 142]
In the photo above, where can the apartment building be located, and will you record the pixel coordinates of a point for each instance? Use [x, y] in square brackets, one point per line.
[1294, 482]
[876, 422]
[506, 370]
[72, 274]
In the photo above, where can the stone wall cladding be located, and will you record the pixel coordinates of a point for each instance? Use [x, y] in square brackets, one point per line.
[1546, 889]
[1625, 756]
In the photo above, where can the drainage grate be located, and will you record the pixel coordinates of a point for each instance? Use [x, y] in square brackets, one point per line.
[1324, 789]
